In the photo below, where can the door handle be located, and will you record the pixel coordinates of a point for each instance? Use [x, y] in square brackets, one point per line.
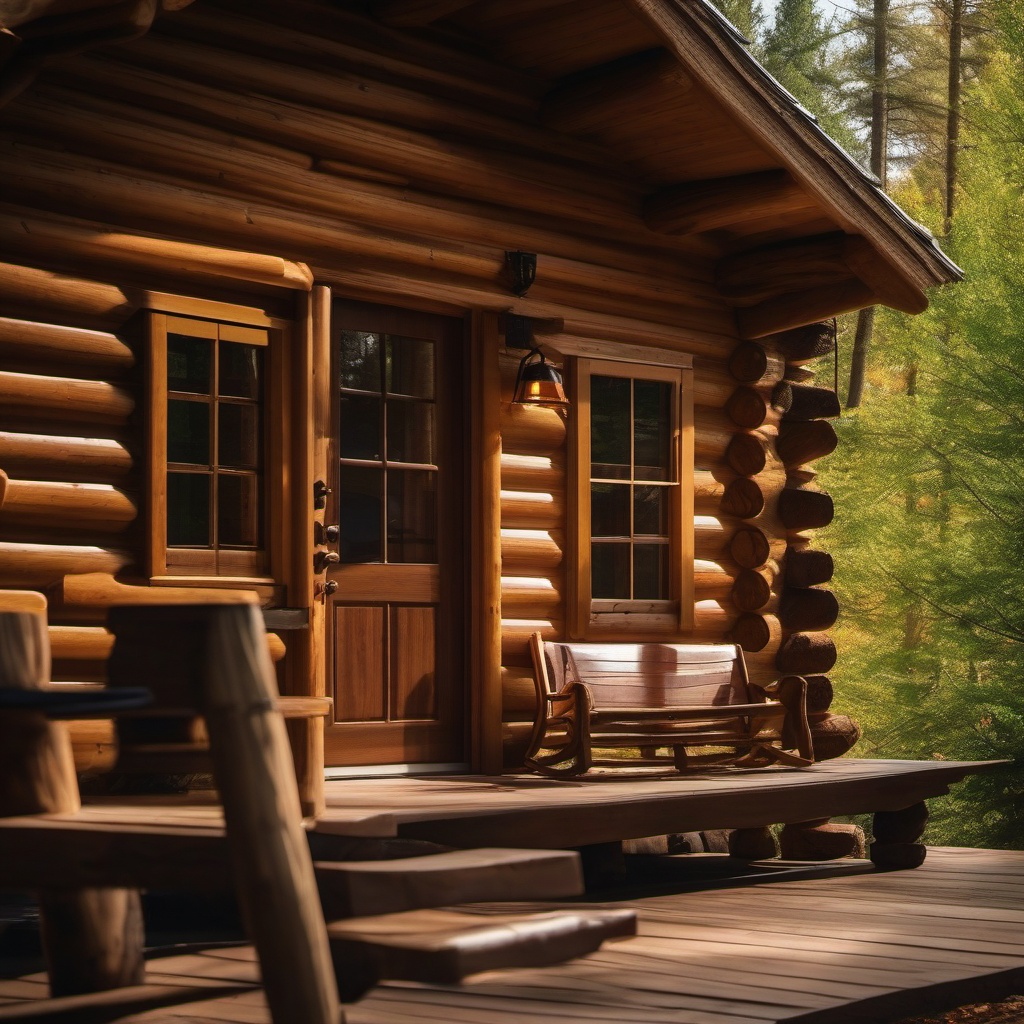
[322, 559]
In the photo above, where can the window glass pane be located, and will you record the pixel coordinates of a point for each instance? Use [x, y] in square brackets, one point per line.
[650, 510]
[360, 360]
[360, 428]
[609, 571]
[188, 432]
[238, 439]
[188, 510]
[188, 364]
[609, 510]
[650, 572]
[238, 510]
[410, 366]
[412, 516]
[359, 511]
[411, 432]
[241, 370]
[652, 427]
[609, 427]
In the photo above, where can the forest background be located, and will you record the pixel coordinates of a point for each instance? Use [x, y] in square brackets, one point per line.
[929, 472]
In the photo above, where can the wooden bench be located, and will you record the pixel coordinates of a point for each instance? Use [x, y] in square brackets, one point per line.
[694, 699]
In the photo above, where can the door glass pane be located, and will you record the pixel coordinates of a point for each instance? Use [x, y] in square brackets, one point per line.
[411, 432]
[650, 572]
[412, 516]
[188, 432]
[238, 437]
[359, 511]
[359, 358]
[609, 510]
[241, 370]
[188, 364]
[238, 510]
[650, 510]
[652, 429]
[360, 427]
[188, 509]
[410, 366]
[609, 565]
[609, 427]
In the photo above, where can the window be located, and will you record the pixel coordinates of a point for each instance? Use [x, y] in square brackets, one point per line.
[208, 427]
[634, 504]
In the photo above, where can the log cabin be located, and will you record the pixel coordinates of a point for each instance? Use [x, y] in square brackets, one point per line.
[273, 274]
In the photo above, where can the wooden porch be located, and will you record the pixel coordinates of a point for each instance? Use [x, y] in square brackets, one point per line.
[869, 946]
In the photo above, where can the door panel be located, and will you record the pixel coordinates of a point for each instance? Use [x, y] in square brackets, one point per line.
[395, 642]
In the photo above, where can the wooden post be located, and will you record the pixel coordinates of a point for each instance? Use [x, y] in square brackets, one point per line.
[92, 937]
[895, 834]
[220, 651]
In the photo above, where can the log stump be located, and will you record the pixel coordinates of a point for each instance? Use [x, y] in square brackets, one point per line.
[821, 839]
[895, 845]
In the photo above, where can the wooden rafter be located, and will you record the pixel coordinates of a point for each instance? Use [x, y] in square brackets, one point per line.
[416, 13]
[717, 203]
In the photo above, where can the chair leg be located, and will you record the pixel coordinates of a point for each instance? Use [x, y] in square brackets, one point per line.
[680, 758]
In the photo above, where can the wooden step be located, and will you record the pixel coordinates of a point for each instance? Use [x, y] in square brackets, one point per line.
[445, 946]
[362, 888]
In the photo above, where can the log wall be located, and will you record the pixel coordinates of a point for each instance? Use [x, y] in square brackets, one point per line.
[402, 171]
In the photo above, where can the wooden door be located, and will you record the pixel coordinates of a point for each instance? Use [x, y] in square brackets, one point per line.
[395, 515]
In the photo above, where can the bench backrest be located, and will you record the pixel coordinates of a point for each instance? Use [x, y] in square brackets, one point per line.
[648, 675]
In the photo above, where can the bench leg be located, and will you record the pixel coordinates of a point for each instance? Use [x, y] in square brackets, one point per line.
[306, 739]
[896, 833]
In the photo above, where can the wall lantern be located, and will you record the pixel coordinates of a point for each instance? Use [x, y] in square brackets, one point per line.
[522, 269]
[537, 381]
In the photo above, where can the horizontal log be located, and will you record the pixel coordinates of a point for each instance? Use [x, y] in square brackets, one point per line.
[819, 694]
[600, 102]
[712, 620]
[712, 580]
[529, 430]
[43, 565]
[799, 443]
[803, 344]
[808, 608]
[712, 383]
[705, 205]
[750, 547]
[743, 498]
[711, 536]
[31, 343]
[532, 472]
[532, 510]
[747, 407]
[712, 433]
[833, 735]
[804, 509]
[516, 634]
[797, 309]
[530, 597]
[747, 453]
[518, 693]
[811, 403]
[51, 457]
[415, 13]
[80, 643]
[708, 490]
[84, 242]
[752, 589]
[806, 654]
[101, 590]
[755, 632]
[531, 550]
[95, 506]
[806, 567]
[62, 398]
[30, 294]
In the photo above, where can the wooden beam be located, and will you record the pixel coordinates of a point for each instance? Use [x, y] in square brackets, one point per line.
[761, 273]
[795, 309]
[603, 97]
[697, 206]
[416, 13]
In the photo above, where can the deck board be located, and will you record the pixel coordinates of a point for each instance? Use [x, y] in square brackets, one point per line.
[836, 950]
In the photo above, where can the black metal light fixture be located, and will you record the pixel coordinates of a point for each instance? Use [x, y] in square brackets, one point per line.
[522, 269]
[538, 382]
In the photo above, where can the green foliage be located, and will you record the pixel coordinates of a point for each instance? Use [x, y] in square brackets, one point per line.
[930, 476]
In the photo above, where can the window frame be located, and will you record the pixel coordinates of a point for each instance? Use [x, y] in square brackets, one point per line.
[215, 564]
[607, 617]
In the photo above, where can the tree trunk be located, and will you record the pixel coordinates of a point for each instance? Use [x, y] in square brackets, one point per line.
[956, 18]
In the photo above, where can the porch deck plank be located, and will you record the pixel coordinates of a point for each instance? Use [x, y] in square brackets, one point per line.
[837, 950]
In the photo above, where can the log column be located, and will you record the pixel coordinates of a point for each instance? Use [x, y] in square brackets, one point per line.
[92, 937]
[895, 834]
